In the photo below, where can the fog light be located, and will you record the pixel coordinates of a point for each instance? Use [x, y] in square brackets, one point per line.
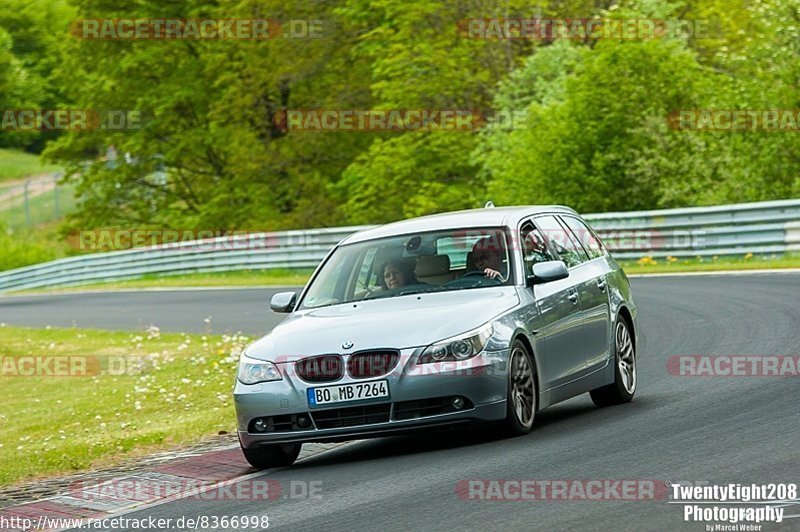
[260, 425]
[458, 403]
[303, 422]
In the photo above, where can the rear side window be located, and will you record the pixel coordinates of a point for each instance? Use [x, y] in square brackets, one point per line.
[561, 241]
[585, 236]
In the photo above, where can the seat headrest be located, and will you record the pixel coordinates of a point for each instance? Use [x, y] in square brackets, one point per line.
[430, 265]
[471, 261]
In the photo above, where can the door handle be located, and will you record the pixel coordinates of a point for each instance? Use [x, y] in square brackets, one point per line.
[601, 284]
[573, 296]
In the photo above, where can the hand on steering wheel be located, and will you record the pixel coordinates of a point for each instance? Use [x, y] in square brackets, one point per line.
[493, 274]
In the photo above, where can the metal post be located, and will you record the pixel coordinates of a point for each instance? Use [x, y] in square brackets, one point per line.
[27, 204]
[55, 197]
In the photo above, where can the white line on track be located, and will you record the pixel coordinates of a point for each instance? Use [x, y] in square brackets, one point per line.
[713, 273]
[139, 290]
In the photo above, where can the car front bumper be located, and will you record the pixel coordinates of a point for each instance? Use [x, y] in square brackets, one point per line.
[490, 412]
[482, 381]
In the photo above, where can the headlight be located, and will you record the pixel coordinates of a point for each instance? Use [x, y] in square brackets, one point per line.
[458, 348]
[252, 371]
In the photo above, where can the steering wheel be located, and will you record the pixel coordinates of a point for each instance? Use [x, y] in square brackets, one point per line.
[466, 282]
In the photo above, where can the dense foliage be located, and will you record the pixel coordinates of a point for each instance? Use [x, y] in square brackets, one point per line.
[590, 128]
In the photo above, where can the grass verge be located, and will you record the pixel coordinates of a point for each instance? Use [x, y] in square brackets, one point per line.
[120, 394]
[217, 279]
[28, 246]
[16, 164]
[710, 264]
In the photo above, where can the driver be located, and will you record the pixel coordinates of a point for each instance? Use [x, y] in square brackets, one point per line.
[486, 257]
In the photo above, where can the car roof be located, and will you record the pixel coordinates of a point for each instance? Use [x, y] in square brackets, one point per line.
[487, 217]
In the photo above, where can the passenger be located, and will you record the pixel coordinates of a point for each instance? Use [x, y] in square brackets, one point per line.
[535, 248]
[397, 273]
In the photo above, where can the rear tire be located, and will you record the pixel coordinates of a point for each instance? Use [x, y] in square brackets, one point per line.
[522, 398]
[279, 455]
[623, 388]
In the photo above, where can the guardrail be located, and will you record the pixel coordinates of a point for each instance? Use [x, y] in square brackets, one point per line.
[760, 228]
[769, 227]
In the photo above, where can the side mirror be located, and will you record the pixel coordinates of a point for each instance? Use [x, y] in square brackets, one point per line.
[283, 302]
[545, 272]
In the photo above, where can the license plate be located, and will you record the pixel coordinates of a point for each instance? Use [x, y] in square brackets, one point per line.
[343, 393]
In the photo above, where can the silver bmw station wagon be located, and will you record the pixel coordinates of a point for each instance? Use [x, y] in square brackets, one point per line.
[475, 316]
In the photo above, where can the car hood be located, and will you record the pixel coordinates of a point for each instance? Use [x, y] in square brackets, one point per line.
[397, 322]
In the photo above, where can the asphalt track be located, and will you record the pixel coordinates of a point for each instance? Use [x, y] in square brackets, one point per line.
[180, 310]
[689, 429]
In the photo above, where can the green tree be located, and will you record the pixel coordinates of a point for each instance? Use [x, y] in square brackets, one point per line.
[31, 33]
[592, 127]
[209, 152]
[419, 61]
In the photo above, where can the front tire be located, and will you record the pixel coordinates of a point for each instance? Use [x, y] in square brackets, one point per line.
[272, 455]
[522, 399]
[623, 388]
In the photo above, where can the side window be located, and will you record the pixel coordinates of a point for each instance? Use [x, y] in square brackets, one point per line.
[365, 272]
[585, 236]
[534, 248]
[561, 241]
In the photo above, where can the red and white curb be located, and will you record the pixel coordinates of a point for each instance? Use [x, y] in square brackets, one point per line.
[179, 479]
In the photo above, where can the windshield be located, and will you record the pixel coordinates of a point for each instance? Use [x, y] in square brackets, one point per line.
[455, 259]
